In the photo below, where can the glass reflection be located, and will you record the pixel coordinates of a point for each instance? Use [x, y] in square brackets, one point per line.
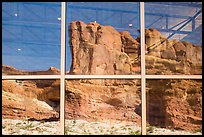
[174, 107]
[31, 36]
[30, 107]
[102, 38]
[102, 107]
[173, 39]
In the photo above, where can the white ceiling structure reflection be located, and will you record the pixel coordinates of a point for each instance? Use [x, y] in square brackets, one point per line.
[34, 27]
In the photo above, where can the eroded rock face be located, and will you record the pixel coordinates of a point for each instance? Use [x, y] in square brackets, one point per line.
[181, 103]
[163, 57]
[98, 102]
[101, 50]
[187, 55]
[20, 101]
[160, 46]
[38, 99]
[9, 70]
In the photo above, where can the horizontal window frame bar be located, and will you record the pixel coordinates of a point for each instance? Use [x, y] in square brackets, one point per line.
[173, 76]
[102, 76]
[4, 77]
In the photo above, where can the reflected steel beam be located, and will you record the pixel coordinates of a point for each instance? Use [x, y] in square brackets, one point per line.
[155, 21]
[126, 11]
[34, 25]
[185, 4]
[30, 31]
[52, 4]
[179, 23]
[29, 42]
[4, 11]
[130, 20]
[31, 11]
[196, 15]
[174, 31]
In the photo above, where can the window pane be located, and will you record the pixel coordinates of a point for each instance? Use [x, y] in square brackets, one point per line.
[173, 38]
[102, 106]
[102, 38]
[174, 107]
[30, 107]
[31, 36]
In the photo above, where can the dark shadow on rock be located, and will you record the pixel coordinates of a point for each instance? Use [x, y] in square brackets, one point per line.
[54, 104]
[156, 107]
[51, 119]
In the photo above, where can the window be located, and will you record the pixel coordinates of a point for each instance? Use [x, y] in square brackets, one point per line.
[95, 60]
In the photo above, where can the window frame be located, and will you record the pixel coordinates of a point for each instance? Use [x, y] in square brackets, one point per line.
[62, 76]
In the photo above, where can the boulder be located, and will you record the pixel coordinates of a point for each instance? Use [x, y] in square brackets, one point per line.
[97, 49]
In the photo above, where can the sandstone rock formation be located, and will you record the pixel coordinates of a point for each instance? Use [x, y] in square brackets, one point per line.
[101, 50]
[181, 103]
[98, 49]
[174, 104]
[29, 98]
[9, 70]
[19, 101]
[185, 57]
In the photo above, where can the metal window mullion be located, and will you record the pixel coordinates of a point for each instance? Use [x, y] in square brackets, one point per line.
[62, 76]
[102, 76]
[143, 79]
[30, 77]
[173, 76]
[10, 77]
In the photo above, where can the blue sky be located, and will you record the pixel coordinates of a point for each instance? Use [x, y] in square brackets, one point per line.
[31, 30]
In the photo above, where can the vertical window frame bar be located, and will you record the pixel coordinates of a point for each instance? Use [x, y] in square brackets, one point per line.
[62, 73]
[63, 76]
[143, 77]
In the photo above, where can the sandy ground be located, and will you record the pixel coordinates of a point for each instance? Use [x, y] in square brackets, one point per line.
[81, 127]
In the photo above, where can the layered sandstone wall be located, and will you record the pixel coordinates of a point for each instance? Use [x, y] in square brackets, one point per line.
[101, 50]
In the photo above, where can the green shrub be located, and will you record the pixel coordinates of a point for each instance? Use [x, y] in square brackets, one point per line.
[135, 132]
